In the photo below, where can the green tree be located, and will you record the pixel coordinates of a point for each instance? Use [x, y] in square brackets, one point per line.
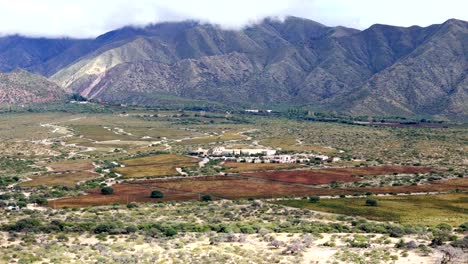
[314, 199]
[107, 190]
[157, 194]
[371, 202]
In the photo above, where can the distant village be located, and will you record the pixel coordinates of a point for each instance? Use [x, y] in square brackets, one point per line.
[258, 155]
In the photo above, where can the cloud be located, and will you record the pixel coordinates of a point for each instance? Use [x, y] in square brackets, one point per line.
[90, 18]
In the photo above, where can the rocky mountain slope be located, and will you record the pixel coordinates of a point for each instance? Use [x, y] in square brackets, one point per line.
[383, 70]
[21, 87]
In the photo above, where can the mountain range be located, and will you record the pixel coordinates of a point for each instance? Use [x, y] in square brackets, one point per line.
[382, 70]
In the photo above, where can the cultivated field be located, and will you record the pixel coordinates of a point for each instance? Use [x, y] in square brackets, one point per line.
[422, 209]
[238, 167]
[329, 175]
[71, 165]
[123, 194]
[155, 166]
[58, 179]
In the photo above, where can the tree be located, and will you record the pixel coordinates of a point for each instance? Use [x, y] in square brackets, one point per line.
[157, 194]
[206, 198]
[371, 202]
[314, 199]
[107, 190]
[77, 97]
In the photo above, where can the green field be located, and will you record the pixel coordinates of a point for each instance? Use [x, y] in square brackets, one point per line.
[410, 209]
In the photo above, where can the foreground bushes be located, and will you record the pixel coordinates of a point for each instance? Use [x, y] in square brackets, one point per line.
[158, 229]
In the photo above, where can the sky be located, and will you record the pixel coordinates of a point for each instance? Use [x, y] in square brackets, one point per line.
[90, 18]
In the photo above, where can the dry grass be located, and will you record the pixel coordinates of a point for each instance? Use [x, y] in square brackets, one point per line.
[291, 144]
[98, 133]
[155, 166]
[71, 165]
[222, 137]
[146, 149]
[162, 159]
[157, 133]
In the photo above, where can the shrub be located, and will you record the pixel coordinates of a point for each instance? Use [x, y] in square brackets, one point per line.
[131, 229]
[206, 198]
[21, 204]
[132, 205]
[104, 228]
[371, 202]
[62, 238]
[169, 232]
[463, 227]
[444, 227]
[27, 225]
[461, 243]
[395, 231]
[314, 199]
[157, 194]
[107, 190]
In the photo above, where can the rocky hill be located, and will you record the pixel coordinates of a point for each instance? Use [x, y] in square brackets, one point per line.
[21, 87]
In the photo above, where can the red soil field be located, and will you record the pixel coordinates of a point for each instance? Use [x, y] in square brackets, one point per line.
[328, 175]
[123, 194]
[232, 187]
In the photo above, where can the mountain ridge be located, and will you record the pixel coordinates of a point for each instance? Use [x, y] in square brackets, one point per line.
[382, 70]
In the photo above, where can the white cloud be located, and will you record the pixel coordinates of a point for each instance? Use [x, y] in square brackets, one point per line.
[89, 18]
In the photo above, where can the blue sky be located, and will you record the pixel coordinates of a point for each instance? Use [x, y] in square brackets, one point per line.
[89, 18]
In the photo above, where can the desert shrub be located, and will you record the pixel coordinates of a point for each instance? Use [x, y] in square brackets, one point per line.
[105, 228]
[359, 242]
[444, 227]
[169, 231]
[132, 205]
[107, 190]
[314, 199]
[131, 229]
[396, 231]
[463, 227]
[26, 225]
[21, 204]
[294, 248]
[461, 243]
[62, 238]
[206, 198]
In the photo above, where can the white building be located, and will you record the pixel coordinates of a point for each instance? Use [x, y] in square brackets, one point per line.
[222, 151]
